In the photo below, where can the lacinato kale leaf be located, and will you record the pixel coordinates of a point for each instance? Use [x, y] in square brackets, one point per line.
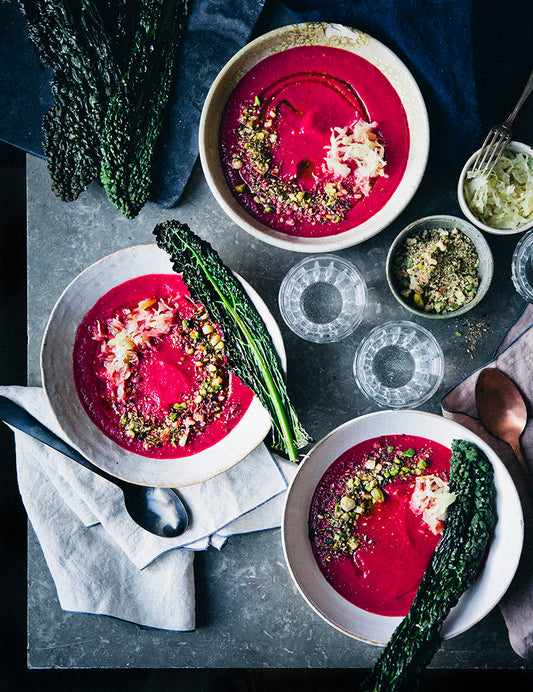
[453, 568]
[113, 65]
[73, 43]
[134, 116]
[248, 346]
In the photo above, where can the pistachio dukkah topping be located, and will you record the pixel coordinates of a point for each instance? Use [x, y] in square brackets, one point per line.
[355, 158]
[359, 491]
[126, 336]
[437, 269]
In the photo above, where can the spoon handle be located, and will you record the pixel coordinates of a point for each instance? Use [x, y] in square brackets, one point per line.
[19, 418]
[526, 471]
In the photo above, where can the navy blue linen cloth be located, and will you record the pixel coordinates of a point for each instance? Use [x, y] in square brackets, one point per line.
[215, 32]
[434, 40]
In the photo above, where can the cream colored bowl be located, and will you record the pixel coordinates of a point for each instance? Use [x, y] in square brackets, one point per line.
[469, 214]
[485, 269]
[307, 34]
[58, 381]
[476, 602]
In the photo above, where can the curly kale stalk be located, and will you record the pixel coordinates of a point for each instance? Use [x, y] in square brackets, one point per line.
[73, 44]
[247, 344]
[452, 570]
[134, 117]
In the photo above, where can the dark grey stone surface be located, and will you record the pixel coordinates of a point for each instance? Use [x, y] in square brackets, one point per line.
[249, 613]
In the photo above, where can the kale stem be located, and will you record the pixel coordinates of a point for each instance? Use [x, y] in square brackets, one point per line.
[270, 386]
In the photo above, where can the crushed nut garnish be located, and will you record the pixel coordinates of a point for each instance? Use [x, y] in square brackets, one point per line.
[331, 196]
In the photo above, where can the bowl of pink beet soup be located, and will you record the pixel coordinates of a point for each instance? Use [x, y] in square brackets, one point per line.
[135, 293]
[314, 137]
[368, 590]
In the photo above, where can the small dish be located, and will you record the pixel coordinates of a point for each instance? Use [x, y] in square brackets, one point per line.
[322, 299]
[399, 365]
[59, 385]
[522, 267]
[372, 52]
[502, 558]
[471, 216]
[485, 268]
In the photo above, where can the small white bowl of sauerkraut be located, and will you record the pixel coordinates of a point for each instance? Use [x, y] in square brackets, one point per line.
[501, 203]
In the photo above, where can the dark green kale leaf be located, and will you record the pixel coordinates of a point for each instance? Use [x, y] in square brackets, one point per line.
[113, 65]
[248, 346]
[453, 568]
[134, 117]
[72, 42]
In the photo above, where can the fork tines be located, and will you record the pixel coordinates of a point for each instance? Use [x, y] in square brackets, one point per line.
[493, 147]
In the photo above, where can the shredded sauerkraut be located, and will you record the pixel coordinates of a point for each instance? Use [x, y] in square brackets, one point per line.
[431, 498]
[126, 334]
[356, 149]
[504, 199]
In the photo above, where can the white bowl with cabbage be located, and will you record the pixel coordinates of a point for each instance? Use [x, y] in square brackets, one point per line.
[501, 203]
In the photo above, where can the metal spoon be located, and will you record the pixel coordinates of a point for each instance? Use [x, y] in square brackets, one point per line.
[503, 412]
[158, 510]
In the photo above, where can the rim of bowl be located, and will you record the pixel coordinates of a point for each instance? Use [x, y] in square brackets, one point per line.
[453, 222]
[513, 146]
[416, 162]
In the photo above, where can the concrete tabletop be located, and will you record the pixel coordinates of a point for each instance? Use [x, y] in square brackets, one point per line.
[249, 612]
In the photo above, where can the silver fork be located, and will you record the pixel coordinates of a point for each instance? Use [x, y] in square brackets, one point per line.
[499, 137]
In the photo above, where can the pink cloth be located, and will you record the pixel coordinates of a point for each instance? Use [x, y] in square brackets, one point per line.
[514, 357]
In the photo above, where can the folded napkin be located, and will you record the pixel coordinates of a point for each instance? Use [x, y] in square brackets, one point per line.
[514, 357]
[100, 560]
[433, 38]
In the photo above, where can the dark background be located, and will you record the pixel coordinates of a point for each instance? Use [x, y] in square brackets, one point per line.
[502, 50]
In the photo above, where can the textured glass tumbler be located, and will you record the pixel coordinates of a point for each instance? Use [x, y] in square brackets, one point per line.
[399, 365]
[322, 298]
[522, 267]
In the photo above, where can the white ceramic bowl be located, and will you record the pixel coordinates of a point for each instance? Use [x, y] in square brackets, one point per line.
[333, 35]
[476, 602]
[485, 269]
[79, 429]
[513, 146]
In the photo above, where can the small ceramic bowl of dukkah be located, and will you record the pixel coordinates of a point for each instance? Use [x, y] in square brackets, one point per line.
[439, 267]
[501, 203]
[314, 137]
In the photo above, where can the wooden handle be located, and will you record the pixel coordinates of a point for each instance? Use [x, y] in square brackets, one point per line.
[526, 471]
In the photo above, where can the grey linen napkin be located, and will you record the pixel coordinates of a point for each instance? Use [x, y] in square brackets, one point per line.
[100, 560]
[514, 357]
